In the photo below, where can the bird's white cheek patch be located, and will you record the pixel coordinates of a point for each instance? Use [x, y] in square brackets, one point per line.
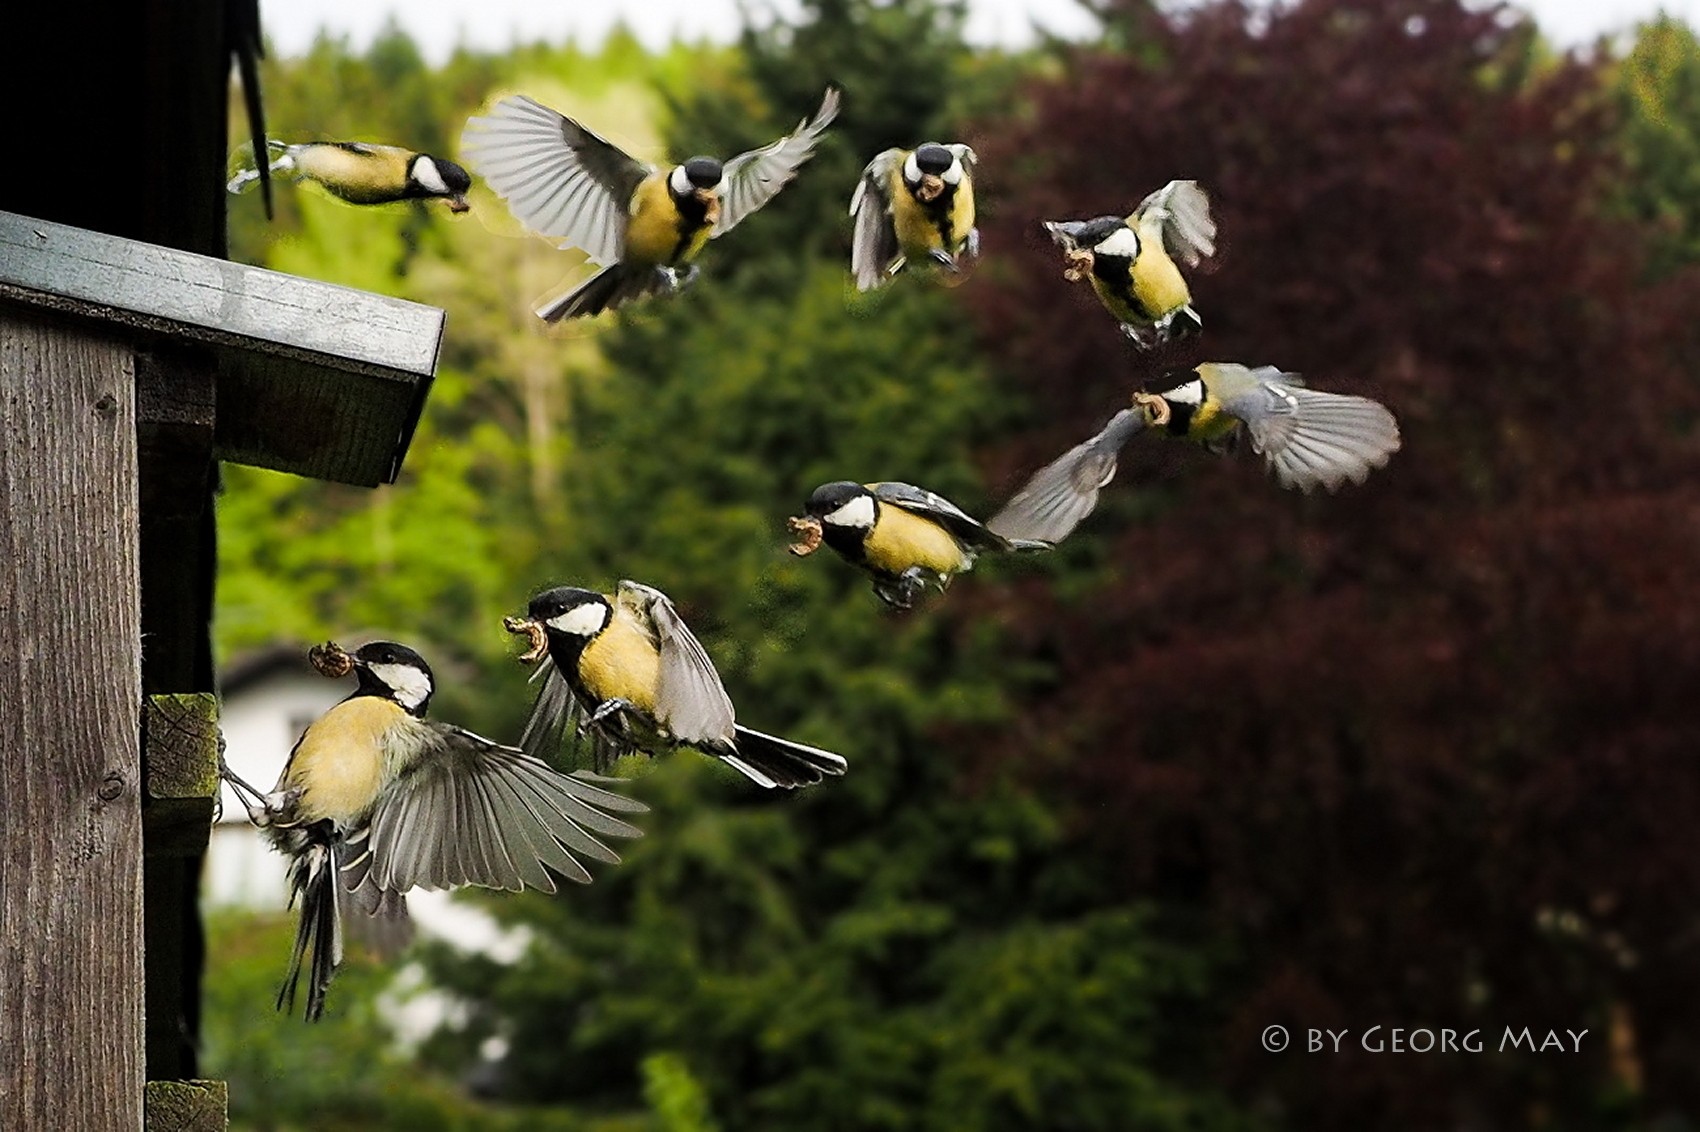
[859, 512]
[911, 169]
[581, 621]
[1121, 242]
[680, 181]
[429, 177]
[953, 175]
[1192, 393]
[411, 686]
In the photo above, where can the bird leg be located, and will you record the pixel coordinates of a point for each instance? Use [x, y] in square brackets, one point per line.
[532, 632]
[1156, 409]
[1078, 263]
[809, 535]
[945, 260]
[330, 659]
[1145, 337]
[929, 189]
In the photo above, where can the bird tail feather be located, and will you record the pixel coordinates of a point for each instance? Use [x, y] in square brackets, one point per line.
[318, 936]
[771, 761]
[613, 286]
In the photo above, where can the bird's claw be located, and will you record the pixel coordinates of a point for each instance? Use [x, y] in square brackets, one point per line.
[808, 532]
[532, 632]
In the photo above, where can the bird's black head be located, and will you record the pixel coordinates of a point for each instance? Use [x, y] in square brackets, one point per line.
[439, 177]
[842, 504]
[569, 612]
[703, 172]
[931, 157]
[394, 672]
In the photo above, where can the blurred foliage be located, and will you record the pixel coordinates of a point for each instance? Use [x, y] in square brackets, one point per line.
[1658, 87]
[1231, 756]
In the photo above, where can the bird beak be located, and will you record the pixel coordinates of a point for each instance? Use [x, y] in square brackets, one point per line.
[458, 205]
[1077, 263]
[1062, 234]
[931, 186]
[710, 202]
[809, 534]
[1153, 407]
[532, 631]
[329, 659]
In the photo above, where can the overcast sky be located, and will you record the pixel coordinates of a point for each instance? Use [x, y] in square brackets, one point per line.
[439, 24]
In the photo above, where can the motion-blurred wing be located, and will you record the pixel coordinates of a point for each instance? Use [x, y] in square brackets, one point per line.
[1311, 438]
[874, 244]
[1183, 209]
[1062, 493]
[560, 179]
[920, 501]
[751, 179]
[692, 703]
[470, 811]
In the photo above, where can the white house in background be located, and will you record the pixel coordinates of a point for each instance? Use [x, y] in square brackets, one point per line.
[269, 697]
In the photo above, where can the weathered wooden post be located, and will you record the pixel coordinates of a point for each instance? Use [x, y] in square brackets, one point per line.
[126, 371]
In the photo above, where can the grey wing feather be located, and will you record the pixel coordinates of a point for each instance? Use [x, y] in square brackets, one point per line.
[1189, 232]
[751, 179]
[475, 812]
[920, 501]
[692, 703]
[874, 245]
[560, 179]
[1060, 495]
[1311, 438]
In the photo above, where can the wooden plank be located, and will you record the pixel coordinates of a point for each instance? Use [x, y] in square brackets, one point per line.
[70, 680]
[180, 777]
[313, 378]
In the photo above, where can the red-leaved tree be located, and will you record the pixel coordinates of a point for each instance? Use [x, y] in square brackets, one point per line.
[1425, 753]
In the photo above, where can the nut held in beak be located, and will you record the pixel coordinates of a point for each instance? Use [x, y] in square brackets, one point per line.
[329, 659]
[808, 534]
[532, 631]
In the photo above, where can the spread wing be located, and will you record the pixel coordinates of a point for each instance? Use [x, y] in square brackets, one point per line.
[560, 179]
[1183, 209]
[874, 244]
[470, 811]
[1062, 493]
[751, 179]
[690, 700]
[1310, 438]
[920, 501]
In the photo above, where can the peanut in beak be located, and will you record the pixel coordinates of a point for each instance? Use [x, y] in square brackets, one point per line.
[809, 535]
[1156, 409]
[330, 659]
[1079, 264]
[532, 632]
[931, 186]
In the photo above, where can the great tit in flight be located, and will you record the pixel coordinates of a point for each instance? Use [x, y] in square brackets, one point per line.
[626, 672]
[1309, 439]
[377, 799]
[913, 205]
[359, 172]
[905, 537]
[640, 223]
[1131, 261]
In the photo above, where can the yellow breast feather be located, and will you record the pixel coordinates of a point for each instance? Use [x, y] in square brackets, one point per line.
[1157, 282]
[372, 176]
[339, 764]
[900, 540]
[656, 232]
[622, 663]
